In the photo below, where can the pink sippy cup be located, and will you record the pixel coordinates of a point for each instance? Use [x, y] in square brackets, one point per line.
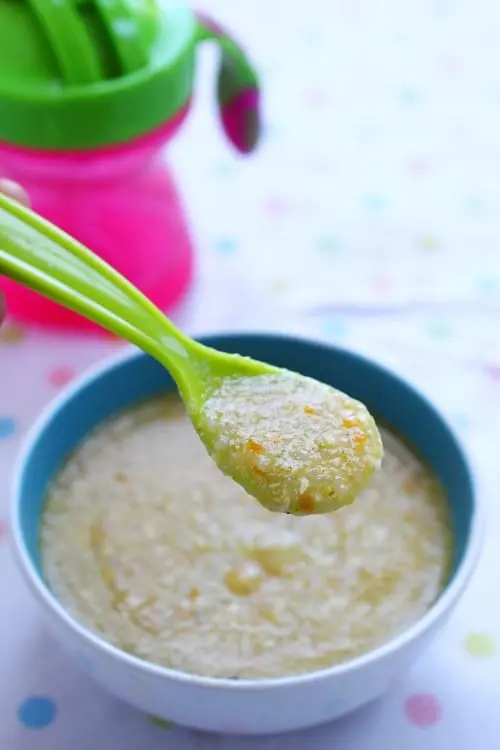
[90, 92]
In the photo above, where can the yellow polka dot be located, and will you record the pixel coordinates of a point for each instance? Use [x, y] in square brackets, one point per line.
[480, 645]
[163, 723]
[278, 287]
[428, 243]
[12, 334]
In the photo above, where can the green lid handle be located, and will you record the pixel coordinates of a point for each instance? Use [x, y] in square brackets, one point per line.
[71, 45]
[126, 29]
[238, 92]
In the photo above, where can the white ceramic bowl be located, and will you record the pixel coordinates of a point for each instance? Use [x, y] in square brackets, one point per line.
[242, 706]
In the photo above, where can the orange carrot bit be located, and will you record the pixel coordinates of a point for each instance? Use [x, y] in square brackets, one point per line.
[255, 447]
[306, 502]
[309, 410]
[348, 423]
[194, 593]
[410, 485]
[360, 439]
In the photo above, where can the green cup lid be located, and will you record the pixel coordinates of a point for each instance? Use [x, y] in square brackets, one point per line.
[79, 74]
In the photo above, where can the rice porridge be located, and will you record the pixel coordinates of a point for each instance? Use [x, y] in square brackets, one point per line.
[149, 545]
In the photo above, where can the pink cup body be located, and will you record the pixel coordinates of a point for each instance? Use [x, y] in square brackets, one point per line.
[119, 201]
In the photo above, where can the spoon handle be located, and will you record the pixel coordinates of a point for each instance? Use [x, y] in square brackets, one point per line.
[36, 254]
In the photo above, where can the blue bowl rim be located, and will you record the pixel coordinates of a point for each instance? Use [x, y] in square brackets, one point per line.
[436, 613]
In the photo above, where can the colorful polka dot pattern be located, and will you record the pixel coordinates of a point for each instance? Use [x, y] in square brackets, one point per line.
[162, 723]
[493, 371]
[480, 645]
[12, 334]
[423, 710]
[226, 245]
[61, 376]
[37, 712]
[7, 427]
[369, 219]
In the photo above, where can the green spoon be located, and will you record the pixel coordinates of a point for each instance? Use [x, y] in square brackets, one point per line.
[296, 445]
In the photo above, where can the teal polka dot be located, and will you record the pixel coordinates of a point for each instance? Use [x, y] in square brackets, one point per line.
[442, 7]
[335, 329]
[373, 203]
[328, 244]
[488, 284]
[439, 329]
[7, 427]
[37, 712]
[474, 205]
[408, 96]
[271, 130]
[226, 245]
[222, 170]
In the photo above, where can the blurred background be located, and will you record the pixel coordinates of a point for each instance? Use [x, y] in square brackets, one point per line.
[370, 213]
[370, 216]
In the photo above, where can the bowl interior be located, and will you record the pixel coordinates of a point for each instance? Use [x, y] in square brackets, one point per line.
[130, 380]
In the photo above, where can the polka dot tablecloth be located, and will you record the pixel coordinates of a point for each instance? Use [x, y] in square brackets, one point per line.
[370, 217]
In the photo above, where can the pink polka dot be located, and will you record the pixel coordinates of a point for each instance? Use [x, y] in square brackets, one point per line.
[460, 132]
[60, 376]
[319, 164]
[419, 166]
[317, 98]
[277, 206]
[493, 371]
[353, 9]
[382, 285]
[423, 710]
[452, 65]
